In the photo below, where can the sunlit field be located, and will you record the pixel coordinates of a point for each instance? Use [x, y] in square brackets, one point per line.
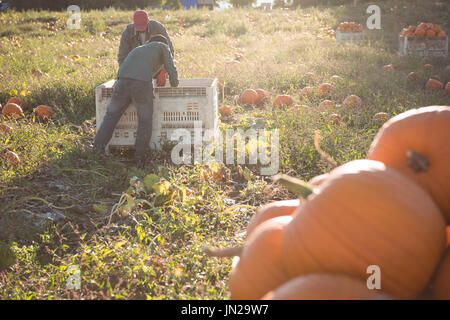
[132, 241]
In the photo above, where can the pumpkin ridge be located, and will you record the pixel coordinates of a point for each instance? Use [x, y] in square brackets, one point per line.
[359, 254]
[320, 224]
[425, 245]
[252, 281]
[386, 239]
[298, 238]
[392, 279]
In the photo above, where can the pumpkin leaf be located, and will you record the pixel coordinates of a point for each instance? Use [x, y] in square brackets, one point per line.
[100, 207]
[149, 181]
[162, 188]
[294, 185]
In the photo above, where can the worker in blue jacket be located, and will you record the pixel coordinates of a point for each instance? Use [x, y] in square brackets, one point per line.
[134, 84]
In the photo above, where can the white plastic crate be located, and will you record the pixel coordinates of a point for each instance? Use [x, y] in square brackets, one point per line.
[173, 108]
[344, 37]
[424, 46]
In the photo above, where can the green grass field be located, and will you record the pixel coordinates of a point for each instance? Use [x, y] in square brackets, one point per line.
[128, 241]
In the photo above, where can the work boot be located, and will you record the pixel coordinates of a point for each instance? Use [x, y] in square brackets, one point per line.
[140, 163]
[98, 151]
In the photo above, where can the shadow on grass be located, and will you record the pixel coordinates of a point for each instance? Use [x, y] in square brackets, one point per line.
[59, 202]
[53, 206]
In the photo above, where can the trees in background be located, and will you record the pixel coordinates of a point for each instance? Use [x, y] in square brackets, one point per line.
[87, 4]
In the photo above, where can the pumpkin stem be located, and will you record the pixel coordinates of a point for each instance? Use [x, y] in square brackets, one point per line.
[416, 161]
[223, 253]
[323, 155]
[294, 185]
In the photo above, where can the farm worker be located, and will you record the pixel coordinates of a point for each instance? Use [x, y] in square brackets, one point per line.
[138, 33]
[134, 84]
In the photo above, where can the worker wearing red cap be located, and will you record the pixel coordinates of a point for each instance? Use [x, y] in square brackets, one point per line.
[139, 33]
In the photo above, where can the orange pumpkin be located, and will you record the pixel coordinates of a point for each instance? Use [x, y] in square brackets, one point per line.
[428, 66]
[301, 107]
[307, 91]
[336, 79]
[416, 143]
[447, 88]
[430, 33]
[249, 96]
[441, 283]
[310, 75]
[12, 110]
[381, 116]
[422, 26]
[318, 180]
[434, 84]
[259, 269]
[44, 112]
[436, 28]
[325, 88]
[388, 68]
[404, 32]
[10, 157]
[323, 286]
[412, 76]
[420, 32]
[448, 235]
[225, 111]
[363, 215]
[283, 101]
[335, 118]
[353, 101]
[272, 210]
[326, 104]
[16, 100]
[411, 29]
[5, 128]
[441, 34]
[261, 96]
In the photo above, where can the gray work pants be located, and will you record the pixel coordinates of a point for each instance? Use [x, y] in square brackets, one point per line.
[126, 91]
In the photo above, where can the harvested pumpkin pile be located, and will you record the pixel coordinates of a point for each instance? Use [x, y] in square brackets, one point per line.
[423, 30]
[369, 229]
[349, 27]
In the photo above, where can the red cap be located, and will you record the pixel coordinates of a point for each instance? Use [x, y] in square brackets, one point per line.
[140, 19]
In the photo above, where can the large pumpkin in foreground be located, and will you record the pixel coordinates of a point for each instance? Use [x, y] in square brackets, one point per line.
[367, 214]
[441, 284]
[324, 287]
[272, 210]
[417, 144]
[259, 268]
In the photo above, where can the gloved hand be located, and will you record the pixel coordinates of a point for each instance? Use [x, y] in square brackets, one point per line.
[161, 78]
